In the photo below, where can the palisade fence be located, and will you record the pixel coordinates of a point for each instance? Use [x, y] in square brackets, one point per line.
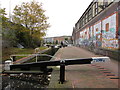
[114, 54]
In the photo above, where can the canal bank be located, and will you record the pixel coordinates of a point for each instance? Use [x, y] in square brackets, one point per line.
[83, 76]
[34, 78]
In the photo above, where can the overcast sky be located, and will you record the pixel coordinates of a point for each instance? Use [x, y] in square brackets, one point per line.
[63, 14]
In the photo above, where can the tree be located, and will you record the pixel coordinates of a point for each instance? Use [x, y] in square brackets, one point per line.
[3, 19]
[31, 15]
[2, 14]
[66, 39]
[8, 32]
[56, 42]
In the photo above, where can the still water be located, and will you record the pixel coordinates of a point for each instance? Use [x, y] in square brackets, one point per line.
[24, 81]
[28, 81]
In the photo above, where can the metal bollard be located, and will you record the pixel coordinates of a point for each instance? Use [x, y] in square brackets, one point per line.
[62, 71]
[13, 57]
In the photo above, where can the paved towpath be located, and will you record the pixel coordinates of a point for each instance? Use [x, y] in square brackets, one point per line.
[85, 76]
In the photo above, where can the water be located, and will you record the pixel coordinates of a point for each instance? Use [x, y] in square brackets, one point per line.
[27, 80]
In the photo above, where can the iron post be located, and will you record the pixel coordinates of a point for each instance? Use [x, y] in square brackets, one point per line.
[62, 71]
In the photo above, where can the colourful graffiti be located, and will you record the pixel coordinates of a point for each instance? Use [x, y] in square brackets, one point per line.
[102, 34]
[109, 40]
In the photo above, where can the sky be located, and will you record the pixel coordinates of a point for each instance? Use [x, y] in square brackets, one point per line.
[63, 14]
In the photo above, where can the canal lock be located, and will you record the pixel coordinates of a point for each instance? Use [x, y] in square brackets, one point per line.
[38, 80]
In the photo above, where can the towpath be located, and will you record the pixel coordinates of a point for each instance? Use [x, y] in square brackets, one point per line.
[100, 75]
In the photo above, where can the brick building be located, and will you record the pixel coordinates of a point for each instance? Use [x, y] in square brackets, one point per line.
[99, 25]
[59, 39]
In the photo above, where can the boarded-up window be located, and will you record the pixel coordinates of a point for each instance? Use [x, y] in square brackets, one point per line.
[96, 29]
[107, 27]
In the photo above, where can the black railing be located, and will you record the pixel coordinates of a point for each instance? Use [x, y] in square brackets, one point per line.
[61, 63]
[52, 63]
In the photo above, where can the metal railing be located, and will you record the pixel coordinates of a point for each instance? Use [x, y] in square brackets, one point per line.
[61, 63]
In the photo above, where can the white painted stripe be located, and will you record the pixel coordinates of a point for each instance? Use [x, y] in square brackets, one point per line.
[100, 59]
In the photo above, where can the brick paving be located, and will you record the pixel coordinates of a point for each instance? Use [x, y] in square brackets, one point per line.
[85, 76]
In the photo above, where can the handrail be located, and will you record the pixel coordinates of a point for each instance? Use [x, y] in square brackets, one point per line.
[67, 62]
[35, 55]
[62, 64]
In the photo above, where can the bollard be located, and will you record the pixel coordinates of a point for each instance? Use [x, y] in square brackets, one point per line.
[62, 71]
[13, 57]
[36, 58]
[52, 50]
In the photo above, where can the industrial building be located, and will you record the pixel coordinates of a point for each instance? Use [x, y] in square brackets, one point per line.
[99, 26]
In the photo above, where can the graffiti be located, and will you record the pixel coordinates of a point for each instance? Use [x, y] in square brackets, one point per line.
[110, 44]
[109, 40]
[111, 34]
[101, 34]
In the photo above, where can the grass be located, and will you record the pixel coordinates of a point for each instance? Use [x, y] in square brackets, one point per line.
[42, 48]
[6, 52]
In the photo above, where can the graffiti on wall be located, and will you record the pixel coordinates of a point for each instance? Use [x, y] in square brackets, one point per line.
[109, 40]
[97, 34]
[101, 34]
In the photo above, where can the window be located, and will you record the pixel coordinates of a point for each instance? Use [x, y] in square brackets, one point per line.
[86, 18]
[96, 8]
[107, 27]
[83, 20]
[80, 23]
[100, 5]
[93, 10]
[96, 29]
[90, 14]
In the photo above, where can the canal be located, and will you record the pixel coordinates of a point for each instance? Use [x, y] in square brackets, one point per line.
[31, 81]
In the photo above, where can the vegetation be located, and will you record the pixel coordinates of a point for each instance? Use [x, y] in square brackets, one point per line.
[56, 42]
[28, 25]
[9, 51]
[32, 17]
[66, 39]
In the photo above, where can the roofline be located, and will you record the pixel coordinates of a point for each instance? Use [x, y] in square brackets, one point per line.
[86, 10]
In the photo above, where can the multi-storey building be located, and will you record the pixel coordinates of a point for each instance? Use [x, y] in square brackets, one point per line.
[99, 25]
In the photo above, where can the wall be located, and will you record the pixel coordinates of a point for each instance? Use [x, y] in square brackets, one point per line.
[103, 34]
[109, 39]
